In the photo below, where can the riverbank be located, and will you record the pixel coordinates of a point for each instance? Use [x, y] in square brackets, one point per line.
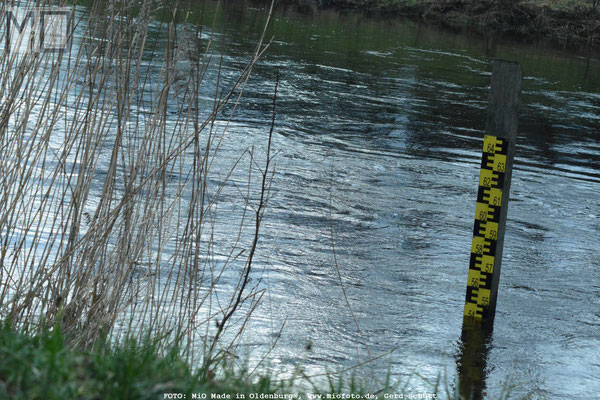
[44, 366]
[571, 22]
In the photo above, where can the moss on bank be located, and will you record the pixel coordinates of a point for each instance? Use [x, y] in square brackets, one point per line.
[574, 22]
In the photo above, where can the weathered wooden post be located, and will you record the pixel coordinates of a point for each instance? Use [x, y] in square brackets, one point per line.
[494, 185]
[490, 221]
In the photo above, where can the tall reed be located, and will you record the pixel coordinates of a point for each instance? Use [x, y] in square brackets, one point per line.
[110, 183]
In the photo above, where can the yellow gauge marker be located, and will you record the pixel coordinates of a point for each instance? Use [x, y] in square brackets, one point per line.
[491, 144]
[473, 310]
[478, 245]
[491, 196]
[474, 278]
[482, 211]
[485, 233]
[491, 230]
[487, 178]
[487, 264]
[499, 164]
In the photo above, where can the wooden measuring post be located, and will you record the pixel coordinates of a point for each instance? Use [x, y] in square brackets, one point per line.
[488, 234]
[494, 185]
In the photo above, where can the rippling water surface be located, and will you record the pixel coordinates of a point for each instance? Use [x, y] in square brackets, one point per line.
[379, 132]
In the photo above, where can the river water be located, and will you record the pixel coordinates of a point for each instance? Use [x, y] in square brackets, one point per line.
[380, 123]
[377, 148]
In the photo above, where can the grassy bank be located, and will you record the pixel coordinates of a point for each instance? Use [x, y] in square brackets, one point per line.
[43, 366]
[575, 22]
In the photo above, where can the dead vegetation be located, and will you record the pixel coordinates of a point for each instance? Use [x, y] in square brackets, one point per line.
[109, 202]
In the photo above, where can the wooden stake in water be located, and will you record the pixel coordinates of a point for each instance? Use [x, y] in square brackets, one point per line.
[494, 185]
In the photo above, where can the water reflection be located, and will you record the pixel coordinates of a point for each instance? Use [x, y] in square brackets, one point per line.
[471, 363]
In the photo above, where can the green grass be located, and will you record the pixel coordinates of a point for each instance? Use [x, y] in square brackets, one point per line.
[45, 367]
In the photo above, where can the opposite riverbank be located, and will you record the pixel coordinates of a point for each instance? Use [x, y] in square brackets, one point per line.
[572, 22]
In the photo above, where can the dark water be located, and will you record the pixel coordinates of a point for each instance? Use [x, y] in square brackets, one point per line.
[380, 124]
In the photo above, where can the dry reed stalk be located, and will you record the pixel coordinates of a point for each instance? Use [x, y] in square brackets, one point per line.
[108, 209]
